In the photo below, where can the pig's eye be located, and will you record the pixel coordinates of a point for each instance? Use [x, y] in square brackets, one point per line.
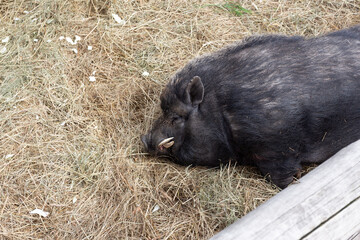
[176, 119]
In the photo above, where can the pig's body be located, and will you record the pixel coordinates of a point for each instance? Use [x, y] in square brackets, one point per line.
[273, 101]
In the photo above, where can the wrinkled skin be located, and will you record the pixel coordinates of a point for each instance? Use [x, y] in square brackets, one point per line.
[271, 101]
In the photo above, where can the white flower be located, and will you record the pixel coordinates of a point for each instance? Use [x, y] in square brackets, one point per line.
[145, 74]
[36, 40]
[89, 48]
[74, 50]
[3, 50]
[61, 38]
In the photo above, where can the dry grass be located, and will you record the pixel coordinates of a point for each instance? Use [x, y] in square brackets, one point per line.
[71, 147]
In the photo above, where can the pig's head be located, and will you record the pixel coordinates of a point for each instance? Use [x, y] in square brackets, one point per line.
[186, 132]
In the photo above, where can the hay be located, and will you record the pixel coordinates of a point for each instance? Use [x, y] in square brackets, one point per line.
[71, 147]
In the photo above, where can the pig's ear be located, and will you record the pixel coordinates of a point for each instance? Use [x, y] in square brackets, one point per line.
[195, 91]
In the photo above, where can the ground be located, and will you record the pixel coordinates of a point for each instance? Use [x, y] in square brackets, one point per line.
[72, 110]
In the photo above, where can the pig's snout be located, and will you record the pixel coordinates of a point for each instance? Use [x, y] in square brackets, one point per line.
[157, 145]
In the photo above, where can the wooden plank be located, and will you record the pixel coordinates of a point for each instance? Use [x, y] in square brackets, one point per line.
[300, 208]
[356, 236]
[343, 223]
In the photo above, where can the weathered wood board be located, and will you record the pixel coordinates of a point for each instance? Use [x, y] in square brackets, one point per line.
[344, 222]
[356, 236]
[325, 204]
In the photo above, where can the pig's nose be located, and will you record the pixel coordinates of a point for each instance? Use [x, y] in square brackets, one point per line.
[144, 141]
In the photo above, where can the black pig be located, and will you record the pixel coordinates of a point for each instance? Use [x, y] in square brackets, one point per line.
[273, 101]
